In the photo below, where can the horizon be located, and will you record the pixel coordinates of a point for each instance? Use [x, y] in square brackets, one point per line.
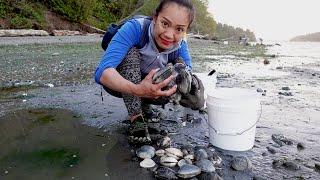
[277, 20]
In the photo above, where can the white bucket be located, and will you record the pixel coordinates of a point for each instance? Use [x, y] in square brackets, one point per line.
[233, 115]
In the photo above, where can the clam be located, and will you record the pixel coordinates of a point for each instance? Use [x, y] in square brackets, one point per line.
[147, 163]
[160, 152]
[166, 142]
[163, 74]
[165, 173]
[188, 171]
[205, 165]
[168, 161]
[145, 151]
[174, 151]
[182, 162]
[201, 154]
[190, 156]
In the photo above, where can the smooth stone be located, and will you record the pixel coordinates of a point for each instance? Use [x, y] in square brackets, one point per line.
[147, 163]
[205, 165]
[188, 171]
[241, 163]
[145, 151]
[168, 161]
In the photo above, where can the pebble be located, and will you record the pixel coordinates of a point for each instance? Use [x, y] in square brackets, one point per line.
[301, 146]
[241, 163]
[317, 167]
[6, 172]
[259, 90]
[271, 150]
[285, 88]
[290, 165]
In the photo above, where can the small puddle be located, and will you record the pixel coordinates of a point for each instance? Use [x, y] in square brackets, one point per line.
[53, 144]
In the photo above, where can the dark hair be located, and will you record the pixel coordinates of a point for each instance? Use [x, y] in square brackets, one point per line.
[185, 3]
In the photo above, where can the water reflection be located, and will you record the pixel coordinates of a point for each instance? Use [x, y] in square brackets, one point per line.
[53, 144]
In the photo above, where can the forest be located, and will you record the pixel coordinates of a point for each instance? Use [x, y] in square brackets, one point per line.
[34, 14]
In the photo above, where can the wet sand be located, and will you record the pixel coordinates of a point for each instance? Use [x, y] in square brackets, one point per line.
[296, 117]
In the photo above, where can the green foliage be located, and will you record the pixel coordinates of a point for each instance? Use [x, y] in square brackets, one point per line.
[21, 22]
[73, 10]
[225, 31]
[2, 9]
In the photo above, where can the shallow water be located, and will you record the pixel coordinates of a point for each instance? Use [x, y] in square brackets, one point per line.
[53, 144]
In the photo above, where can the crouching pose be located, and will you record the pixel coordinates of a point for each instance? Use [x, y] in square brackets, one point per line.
[136, 63]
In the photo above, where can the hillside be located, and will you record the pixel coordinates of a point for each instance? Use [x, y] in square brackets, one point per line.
[313, 37]
[80, 14]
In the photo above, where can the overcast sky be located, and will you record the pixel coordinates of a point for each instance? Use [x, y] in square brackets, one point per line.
[269, 19]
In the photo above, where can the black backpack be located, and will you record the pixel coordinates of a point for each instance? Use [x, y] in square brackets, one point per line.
[113, 29]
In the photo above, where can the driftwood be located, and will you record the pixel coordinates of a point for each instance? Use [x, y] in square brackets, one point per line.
[22, 32]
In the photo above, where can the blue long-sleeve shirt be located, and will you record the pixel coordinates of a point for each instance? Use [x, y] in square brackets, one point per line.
[129, 35]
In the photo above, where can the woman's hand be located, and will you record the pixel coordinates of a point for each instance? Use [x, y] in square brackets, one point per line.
[149, 90]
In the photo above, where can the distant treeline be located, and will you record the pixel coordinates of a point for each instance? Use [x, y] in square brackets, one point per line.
[99, 13]
[313, 37]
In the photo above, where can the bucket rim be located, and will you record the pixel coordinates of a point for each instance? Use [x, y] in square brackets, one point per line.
[231, 94]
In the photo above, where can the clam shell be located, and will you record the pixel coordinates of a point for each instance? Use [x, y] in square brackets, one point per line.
[188, 171]
[160, 152]
[190, 156]
[168, 161]
[174, 151]
[182, 162]
[145, 151]
[205, 165]
[147, 163]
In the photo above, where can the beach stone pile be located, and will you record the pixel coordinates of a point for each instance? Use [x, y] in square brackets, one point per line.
[185, 163]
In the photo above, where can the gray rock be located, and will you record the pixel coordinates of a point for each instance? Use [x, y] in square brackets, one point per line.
[285, 88]
[281, 140]
[165, 173]
[188, 171]
[206, 165]
[271, 150]
[209, 176]
[290, 165]
[259, 90]
[241, 163]
[256, 177]
[317, 167]
[301, 146]
[277, 163]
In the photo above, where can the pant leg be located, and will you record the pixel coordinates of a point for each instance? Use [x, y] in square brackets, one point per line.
[129, 69]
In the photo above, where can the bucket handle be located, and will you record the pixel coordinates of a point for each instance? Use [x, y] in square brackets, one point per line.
[237, 133]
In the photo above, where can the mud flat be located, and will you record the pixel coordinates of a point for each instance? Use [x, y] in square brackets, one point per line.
[55, 81]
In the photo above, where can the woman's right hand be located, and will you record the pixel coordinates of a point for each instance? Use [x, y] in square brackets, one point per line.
[149, 90]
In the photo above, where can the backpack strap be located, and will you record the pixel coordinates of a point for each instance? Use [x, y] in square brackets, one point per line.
[144, 38]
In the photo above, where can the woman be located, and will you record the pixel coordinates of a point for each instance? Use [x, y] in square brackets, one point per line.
[123, 65]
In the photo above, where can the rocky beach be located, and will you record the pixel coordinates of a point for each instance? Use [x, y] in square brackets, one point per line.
[54, 124]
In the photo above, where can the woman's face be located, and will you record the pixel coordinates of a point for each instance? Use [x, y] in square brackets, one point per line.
[170, 25]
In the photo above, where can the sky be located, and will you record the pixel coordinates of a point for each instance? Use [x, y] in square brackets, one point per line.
[269, 19]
